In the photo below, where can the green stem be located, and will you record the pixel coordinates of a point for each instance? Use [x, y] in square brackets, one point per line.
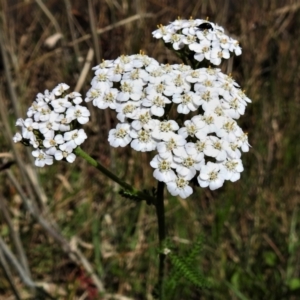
[143, 196]
[160, 212]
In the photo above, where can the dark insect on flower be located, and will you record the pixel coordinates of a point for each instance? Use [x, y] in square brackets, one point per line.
[205, 26]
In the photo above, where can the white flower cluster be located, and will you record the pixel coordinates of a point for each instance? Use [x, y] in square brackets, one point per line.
[206, 39]
[206, 146]
[51, 125]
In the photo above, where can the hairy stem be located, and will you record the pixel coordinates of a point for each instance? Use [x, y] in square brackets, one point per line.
[160, 212]
[143, 196]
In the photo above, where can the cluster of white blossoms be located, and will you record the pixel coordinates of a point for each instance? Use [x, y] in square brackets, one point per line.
[204, 141]
[206, 39]
[51, 126]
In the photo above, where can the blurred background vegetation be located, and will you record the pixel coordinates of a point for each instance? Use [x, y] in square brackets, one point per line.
[72, 234]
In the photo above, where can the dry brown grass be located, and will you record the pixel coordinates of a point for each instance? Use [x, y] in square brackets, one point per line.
[64, 223]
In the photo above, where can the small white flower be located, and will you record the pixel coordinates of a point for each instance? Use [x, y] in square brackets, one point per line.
[232, 169]
[17, 137]
[79, 113]
[217, 53]
[136, 76]
[75, 97]
[45, 98]
[196, 149]
[60, 89]
[234, 46]
[211, 176]
[42, 158]
[226, 89]
[115, 73]
[198, 75]
[234, 108]
[187, 102]
[102, 75]
[108, 99]
[242, 140]
[64, 123]
[36, 106]
[75, 137]
[227, 129]
[142, 60]
[100, 85]
[157, 103]
[125, 61]
[156, 88]
[233, 151]
[154, 75]
[34, 142]
[202, 50]
[210, 124]
[189, 38]
[52, 123]
[161, 31]
[120, 137]
[163, 168]
[142, 140]
[103, 65]
[206, 34]
[66, 154]
[241, 96]
[187, 165]
[163, 129]
[172, 145]
[175, 39]
[176, 84]
[60, 105]
[208, 94]
[52, 140]
[27, 127]
[127, 109]
[94, 94]
[143, 119]
[180, 187]
[42, 114]
[216, 148]
[130, 90]
[194, 127]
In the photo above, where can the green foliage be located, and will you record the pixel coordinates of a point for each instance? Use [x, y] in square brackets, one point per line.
[138, 198]
[129, 195]
[185, 270]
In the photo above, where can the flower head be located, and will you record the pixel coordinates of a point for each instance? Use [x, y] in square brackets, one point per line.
[51, 126]
[201, 37]
[203, 140]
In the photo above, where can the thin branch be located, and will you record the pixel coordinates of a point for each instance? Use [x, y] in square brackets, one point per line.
[13, 260]
[25, 279]
[112, 176]
[85, 70]
[160, 212]
[15, 237]
[72, 29]
[8, 275]
[50, 16]
[94, 31]
[8, 76]
[110, 27]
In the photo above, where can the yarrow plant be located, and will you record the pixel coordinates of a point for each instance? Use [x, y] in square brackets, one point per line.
[51, 126]
[183, 113]
[203, 39]
[203, 141]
